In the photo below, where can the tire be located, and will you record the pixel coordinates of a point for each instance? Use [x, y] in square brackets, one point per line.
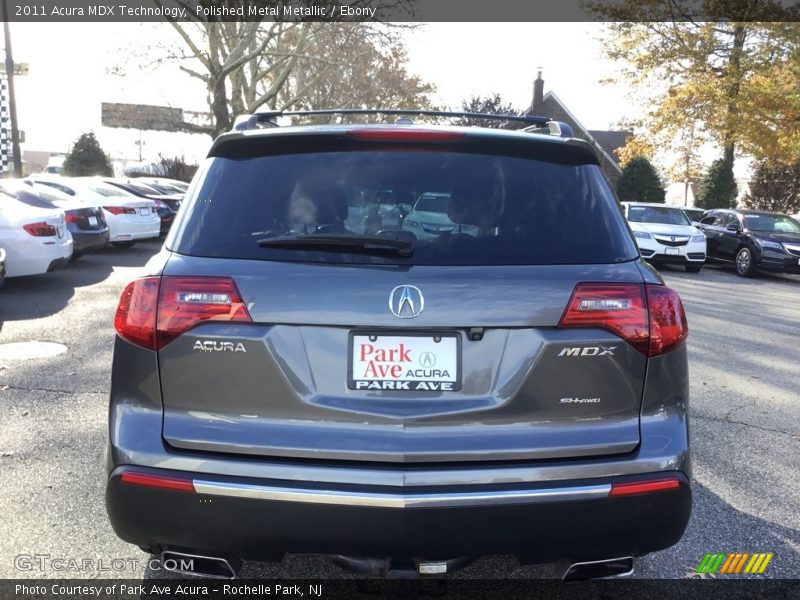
[744, 262]
[693, 268]
[75, 256]
[128, 244]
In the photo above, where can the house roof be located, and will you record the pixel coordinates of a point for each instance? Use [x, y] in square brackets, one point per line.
[611, 140]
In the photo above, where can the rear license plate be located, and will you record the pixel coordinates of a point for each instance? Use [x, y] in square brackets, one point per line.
[93, 221]
[410, 362]
[144, 211]
[672, 251]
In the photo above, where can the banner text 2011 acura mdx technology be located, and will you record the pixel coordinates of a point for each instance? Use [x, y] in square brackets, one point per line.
[514, 381]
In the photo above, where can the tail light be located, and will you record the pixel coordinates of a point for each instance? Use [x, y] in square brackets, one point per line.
[40, 229]
[649, 317]
[120, 210]
[72, 218]
[154, 311]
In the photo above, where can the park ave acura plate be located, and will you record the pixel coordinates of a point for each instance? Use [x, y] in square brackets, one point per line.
[419, 361]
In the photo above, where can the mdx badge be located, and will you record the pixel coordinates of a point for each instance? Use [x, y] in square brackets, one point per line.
[406, 301]
[217, 346]
[587, 351]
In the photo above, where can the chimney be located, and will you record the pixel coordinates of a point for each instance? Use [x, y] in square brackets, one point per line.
[538, 94]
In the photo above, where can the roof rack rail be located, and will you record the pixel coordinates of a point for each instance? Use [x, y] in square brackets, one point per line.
[537, 124]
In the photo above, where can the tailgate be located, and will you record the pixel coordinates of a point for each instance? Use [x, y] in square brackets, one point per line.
[306, 379]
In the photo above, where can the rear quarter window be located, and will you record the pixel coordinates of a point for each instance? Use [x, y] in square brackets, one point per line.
[458, 208]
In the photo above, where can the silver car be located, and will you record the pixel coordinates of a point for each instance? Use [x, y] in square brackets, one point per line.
[286, 381]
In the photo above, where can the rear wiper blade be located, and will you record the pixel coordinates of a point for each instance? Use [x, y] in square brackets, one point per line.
[337, 242]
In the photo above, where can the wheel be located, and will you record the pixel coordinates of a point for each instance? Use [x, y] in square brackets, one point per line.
[127, 244]
[693, 268]
[744, 263]
[75, 256]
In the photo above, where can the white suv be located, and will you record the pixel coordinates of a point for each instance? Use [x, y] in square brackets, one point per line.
[666, 235]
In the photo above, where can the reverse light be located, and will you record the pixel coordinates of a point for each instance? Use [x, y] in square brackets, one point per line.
[154, 311]
[650, 318]
[40, 229]
[405, 135]
[634, 488]
[120, 210]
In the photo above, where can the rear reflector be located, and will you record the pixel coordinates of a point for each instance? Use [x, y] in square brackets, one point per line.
[644, 487]
[154, 311]
[405, 135]
[158, 481]
[649, 317]
[40, 229]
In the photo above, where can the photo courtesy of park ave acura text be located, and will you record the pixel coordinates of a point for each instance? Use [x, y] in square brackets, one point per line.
[400, 299]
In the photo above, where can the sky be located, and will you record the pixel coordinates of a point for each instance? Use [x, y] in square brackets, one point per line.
[73, 68]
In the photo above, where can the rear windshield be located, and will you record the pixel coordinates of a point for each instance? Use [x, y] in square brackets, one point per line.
[455, 209]
[657, 214]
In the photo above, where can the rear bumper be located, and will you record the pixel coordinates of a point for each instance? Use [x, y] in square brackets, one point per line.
[90, 240]
[263, 519]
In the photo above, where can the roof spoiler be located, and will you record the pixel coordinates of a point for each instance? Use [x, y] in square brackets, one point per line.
[536, 124]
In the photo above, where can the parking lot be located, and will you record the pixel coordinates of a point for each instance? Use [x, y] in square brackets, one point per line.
[745, 426]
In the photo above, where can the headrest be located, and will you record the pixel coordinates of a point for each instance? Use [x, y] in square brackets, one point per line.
[475, 202]
[318, 204]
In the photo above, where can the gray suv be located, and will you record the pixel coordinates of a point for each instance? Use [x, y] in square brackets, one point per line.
[285, 381]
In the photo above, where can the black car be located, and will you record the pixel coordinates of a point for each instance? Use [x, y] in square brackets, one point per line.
[753, 240]
[86, 223]
[694, 214]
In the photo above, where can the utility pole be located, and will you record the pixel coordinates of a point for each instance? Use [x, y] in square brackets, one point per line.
[12, 101]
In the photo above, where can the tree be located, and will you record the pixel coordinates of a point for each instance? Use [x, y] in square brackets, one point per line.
[248, 65]
[775, 187]
[87, 158]
[729, 71]
[639, 182]
[718, 187]
[491, 104]
[363, 68]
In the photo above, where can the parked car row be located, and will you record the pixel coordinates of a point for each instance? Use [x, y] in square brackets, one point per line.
[750, 240]
[46, 221]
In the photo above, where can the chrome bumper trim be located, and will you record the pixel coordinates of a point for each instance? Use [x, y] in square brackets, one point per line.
[381, 500]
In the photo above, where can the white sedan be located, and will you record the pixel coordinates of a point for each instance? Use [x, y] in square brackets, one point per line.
[35, 240]
[129, 218]
[665, 235]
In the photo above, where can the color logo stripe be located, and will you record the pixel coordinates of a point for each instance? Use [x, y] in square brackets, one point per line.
[735, 562]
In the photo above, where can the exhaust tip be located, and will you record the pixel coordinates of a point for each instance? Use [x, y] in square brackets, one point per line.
[600, 569]
[198, 565]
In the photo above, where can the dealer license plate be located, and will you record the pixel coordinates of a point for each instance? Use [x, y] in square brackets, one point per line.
[410, 362]
[93, 221]
[672, 251]
[144, 211]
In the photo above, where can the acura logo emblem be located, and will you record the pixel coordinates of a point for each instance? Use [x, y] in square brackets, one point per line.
[406, 302]
[427, 360]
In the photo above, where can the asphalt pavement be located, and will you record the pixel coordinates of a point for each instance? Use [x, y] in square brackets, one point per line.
[744, 350]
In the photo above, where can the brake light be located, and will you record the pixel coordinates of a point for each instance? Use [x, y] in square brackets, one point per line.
[644, 487]
[158, 481]
[649, 317]
[405, 135]
[152, 312]
[72, 218]
[40, 229]
[120, 210]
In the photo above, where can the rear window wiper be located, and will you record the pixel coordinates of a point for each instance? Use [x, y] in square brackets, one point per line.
[340, 242]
